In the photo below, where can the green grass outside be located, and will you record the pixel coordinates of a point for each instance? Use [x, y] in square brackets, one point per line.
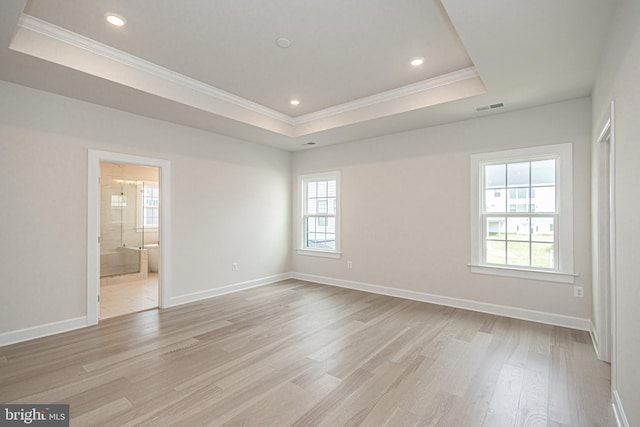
[517, 253]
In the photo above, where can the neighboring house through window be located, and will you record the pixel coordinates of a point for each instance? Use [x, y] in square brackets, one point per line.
[319, 219]
[522, 213]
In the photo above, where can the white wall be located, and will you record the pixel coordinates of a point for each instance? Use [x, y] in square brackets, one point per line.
[618, 81]
[230, 203]
[406, 207]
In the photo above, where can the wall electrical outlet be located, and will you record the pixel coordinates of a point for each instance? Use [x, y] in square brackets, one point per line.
[349, 264]
[578, 291]
[234, 266]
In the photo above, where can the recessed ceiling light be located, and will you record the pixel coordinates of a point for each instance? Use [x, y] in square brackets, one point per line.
[283, 42]
[115, 20]
[417, 62]
[294, 102]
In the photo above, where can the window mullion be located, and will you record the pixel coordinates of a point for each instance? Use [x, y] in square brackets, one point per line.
[530, 219]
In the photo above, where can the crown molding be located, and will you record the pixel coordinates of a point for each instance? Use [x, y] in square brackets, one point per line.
[72, 39]
[69, 37]
[389, 95]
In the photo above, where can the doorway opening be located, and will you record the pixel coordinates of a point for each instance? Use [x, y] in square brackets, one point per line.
[129, 238]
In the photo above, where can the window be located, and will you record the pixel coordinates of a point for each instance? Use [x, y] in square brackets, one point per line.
[148, 205]
[319, 220]
[529, 232]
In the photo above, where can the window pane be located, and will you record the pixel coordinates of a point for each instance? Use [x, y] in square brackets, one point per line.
[494, 176]
[329, 242]
[495, 200]
[518, 229]
[320, 233]
[544, 200]
[543, 172]
[519, 199]
[496, 228]
[518, 253]
[331, 191]
[332, 206]
[542, 229]
[495, 253]
[312, 189]
[311, 239]
[331, 225]
[312, 206]
[322, 188]
[522, 193]
[518, 174]
[311, 224]
[542, 255]
[322, 206]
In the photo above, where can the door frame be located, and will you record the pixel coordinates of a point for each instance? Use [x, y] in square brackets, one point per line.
[605, 253]
[95, 157]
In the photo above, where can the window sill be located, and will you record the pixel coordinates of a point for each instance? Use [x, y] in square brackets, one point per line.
[318, 253]
[523, 273]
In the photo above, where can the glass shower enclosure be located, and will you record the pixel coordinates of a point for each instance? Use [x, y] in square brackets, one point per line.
[126, 209]
[120, 243]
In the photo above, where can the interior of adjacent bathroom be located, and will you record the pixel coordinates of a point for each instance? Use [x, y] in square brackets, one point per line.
[129, 238]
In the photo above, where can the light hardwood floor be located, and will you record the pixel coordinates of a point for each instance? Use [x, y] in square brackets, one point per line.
[302, 354]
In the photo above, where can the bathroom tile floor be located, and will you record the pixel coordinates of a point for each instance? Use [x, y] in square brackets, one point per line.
[117, 299]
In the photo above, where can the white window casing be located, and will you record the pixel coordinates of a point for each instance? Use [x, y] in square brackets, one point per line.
[318, 225]
[518, 208]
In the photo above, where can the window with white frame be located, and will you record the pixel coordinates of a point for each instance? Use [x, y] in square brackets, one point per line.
[319, 220]
[522, 218]
[148, 205]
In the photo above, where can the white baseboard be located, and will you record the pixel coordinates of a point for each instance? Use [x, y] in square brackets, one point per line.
[621, 418]
[210, 293]
[12, 337]
[483, 307]
[40, 331]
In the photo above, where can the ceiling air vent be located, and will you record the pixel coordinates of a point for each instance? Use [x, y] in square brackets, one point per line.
[489, 107]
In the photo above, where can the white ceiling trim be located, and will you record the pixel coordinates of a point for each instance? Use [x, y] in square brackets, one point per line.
[74, 39]
[47, 41]
[390, 95]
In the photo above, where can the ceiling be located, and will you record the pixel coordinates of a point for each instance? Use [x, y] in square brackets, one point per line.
[217, 65]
